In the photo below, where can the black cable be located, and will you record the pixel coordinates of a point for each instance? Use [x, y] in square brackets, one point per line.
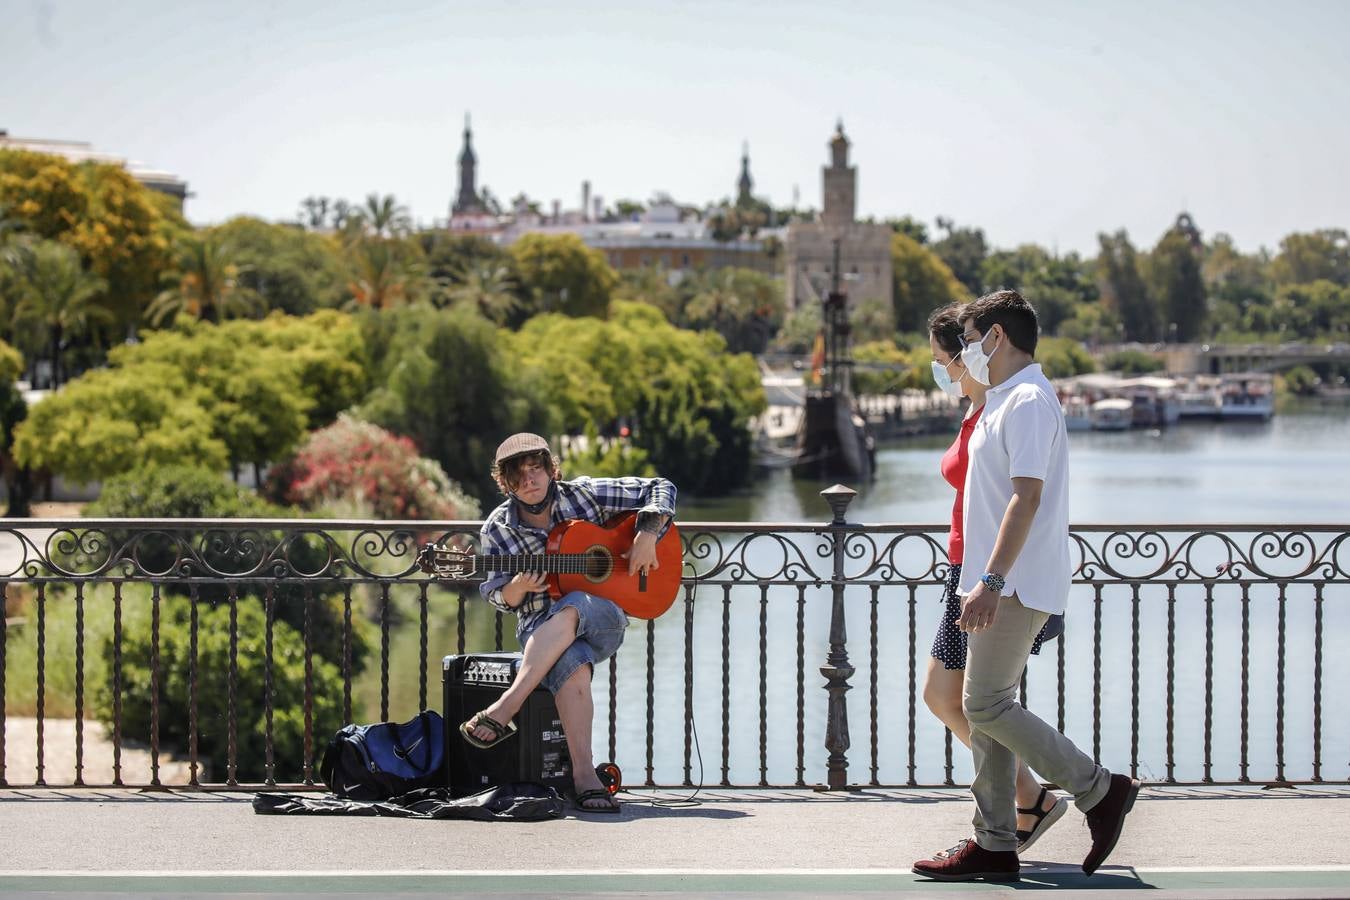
[681, 802]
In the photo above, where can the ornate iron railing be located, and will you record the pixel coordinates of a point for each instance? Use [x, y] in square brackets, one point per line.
[1193, 654]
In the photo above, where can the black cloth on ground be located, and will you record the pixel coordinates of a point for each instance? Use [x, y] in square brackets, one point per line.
[520, 801]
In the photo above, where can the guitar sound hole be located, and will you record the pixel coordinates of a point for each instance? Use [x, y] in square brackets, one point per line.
[599, 565]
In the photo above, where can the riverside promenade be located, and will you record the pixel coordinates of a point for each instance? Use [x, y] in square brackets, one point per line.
[1179, 842]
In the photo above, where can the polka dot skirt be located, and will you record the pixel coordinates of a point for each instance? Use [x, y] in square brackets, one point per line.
[949, 644]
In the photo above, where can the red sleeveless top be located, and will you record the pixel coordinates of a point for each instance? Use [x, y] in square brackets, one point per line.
[954, 463]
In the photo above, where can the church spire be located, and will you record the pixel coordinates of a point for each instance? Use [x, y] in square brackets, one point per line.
[746, 184]
[467, 202]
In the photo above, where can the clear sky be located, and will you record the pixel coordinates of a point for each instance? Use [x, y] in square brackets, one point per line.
[1037, 121]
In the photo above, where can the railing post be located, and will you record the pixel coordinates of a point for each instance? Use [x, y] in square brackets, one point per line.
[837, 670]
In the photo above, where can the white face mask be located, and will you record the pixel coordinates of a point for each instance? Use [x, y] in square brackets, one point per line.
[944, 379]
[977, 361]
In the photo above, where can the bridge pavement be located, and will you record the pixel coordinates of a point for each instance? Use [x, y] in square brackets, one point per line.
[1202, 842]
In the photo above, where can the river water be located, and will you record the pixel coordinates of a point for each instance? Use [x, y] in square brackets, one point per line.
[1287, 471]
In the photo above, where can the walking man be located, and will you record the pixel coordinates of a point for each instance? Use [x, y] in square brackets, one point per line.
[1016, 576]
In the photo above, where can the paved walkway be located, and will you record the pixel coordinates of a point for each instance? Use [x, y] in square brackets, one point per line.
[1180, 842]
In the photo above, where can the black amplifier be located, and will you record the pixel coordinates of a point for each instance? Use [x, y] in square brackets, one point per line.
[536, 752]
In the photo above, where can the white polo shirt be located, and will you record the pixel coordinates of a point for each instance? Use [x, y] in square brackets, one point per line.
[1020, 435]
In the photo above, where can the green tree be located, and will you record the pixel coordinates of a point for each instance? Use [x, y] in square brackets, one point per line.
[1123, 289]
[1235, 282]
[963, 250]
[910, 227]
[690, 401]
[1055, 285]
[13, 409]
[629, 209]
[1092, 323]
[1301, 381]
[327, 351]
[742, 305]
[450, 257]
[314, 212]
[799, 330]
[210, 672]
[1132, 362]
[121, 229]
[922, 283]
[57, 297]
[652, 285]
[169, 491]
[880, 368]
[1320, 309]
[1322, 255]
[287, 268]
[204, 284]
[385, 273]
[445, 382]
[872, 320]
[561, 274]
[111, 421]
[383, 216]
[1063, 358]
[1177, 282]
[491, 290]
[599, 458]
[250, 391]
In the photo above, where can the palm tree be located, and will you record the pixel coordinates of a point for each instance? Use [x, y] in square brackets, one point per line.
[381, 276]
[384, 216]
[490, 289]
[314, 212]
[11, 256]
[204, 284]
[56, 294]
[717, 299]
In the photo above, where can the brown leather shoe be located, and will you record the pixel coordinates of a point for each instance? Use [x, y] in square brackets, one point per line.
[968, 861]
[1104, 820]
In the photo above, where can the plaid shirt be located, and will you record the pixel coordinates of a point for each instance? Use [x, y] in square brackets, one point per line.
[593, 499]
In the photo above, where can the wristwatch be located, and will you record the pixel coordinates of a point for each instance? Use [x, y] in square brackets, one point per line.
[993, 581]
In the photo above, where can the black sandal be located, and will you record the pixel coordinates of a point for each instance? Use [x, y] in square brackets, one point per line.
[1044, 819]
[611, 802]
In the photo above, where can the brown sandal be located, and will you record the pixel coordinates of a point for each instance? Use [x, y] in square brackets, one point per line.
[500, 732]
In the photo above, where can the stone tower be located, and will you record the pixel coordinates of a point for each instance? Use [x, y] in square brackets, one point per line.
[745, 185]
[467, 202]
[840, 183]
[863, 265]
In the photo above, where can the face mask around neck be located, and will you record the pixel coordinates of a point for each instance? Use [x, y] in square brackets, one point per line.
[535, 509]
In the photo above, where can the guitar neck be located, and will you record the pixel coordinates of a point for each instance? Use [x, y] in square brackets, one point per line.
[555, 563]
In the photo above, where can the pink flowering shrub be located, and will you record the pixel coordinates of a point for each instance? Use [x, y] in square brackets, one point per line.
[354, 467]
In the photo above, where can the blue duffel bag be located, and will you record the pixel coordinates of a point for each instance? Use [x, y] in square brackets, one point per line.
[375, 762]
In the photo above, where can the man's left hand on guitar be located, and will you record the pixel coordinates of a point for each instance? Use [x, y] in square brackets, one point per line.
[642, 555]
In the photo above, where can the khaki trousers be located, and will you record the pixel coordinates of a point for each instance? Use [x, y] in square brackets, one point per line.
[1001, 729]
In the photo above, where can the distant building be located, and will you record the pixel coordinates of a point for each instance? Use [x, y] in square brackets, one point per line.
[82, 151]
[660, 237]
[864, 249]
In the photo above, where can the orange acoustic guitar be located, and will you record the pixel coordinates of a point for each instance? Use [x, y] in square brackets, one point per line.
[579, 556]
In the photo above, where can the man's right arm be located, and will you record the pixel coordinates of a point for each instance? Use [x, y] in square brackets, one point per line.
[493, 540]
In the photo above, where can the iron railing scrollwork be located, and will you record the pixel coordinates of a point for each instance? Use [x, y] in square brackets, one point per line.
[1195, 653]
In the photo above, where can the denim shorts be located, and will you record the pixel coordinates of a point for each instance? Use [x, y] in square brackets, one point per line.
[600, 630]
